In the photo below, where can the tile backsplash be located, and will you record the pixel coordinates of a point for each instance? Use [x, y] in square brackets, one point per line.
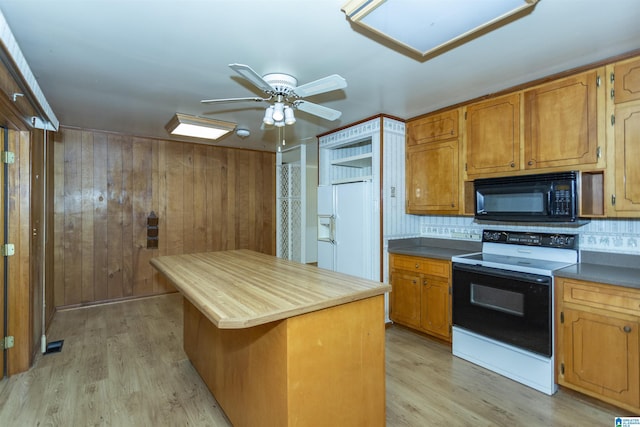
[619, 236]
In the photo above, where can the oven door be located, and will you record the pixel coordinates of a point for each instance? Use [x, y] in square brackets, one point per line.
[511, 307]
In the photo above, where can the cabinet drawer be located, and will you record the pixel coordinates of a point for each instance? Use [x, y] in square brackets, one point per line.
[610, 298]
[428, 266]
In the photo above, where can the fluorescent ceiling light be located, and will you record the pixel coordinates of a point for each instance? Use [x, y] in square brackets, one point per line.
[198, 127]
[425, 26]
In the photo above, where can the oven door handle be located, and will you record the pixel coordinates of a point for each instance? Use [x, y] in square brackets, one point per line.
[527, 277]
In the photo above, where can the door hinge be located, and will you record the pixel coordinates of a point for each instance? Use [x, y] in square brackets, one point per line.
[465, 167]
[612, 80]
[449, 290]
[613, 120]
[613, 200]
[8, 157]
[562, 317]
[465, 115]
[6, 343]
[562, 368]
[8, 249]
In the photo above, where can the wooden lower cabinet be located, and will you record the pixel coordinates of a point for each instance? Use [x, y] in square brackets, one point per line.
[405, 298]
[598, 330]
[435, 307]
[420, 297]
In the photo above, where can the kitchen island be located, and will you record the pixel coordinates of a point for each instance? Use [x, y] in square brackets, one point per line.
[282, 343]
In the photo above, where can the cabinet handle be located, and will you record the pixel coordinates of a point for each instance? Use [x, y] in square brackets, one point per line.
[627, 329]
[513, 165]
[417, 265]
[414, 281]
[424, 282]
[530, 162]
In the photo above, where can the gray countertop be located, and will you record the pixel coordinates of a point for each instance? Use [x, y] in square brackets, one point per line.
[613, 269]
[433, 248]
[620, 276]
[601, 267]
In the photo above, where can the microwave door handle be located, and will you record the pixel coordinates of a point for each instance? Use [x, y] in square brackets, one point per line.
[549, 202]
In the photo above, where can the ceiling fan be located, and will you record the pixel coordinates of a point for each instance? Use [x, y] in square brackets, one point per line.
[286, 95]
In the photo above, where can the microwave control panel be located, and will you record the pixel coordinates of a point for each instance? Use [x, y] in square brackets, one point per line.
[562, 203]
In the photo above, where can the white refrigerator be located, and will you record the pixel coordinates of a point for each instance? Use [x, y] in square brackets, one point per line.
[347, 238]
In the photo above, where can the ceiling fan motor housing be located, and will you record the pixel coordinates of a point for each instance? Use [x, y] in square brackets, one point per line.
[283, 84]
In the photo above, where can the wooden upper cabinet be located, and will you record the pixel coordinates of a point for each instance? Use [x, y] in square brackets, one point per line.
[560, 122]
[432, 178]
[436, 127]
[493, 135]
[627, 81]
[626, 198]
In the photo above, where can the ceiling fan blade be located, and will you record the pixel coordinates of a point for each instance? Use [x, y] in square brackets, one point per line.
[325, 84]
[212, 101]
[255, 78]
[318, 110]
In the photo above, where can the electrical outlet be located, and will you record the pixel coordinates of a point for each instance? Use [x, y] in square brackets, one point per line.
[393, 191]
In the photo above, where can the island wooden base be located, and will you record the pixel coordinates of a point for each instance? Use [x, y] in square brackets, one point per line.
[320, 368]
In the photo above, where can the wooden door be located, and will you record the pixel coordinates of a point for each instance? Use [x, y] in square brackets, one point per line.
[432, 178]
[627, 154]
[405, 298]
[493, 136]
[435, 306]
[601, 355]
[3, 284]
[627, 81]
[37, 218]
[560, 123]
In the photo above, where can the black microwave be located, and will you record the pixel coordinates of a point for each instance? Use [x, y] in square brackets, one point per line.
[550, 197]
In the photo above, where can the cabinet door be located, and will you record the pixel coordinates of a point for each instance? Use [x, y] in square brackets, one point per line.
[627, 159]
[432, 178]
[601, 355]
[436, 127]
[436, 314]
[405, 298]
[627, 81]
[561, 123]
[493, 135]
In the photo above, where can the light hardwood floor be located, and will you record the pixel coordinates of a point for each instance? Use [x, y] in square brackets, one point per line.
[123, 365]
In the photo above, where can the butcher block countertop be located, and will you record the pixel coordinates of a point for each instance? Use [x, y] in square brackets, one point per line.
[242, 288]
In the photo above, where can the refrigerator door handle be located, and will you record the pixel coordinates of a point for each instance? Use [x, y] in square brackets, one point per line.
[326, 228]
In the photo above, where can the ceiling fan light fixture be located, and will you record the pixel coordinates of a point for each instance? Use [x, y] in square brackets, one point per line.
[289, 118]
[198, 127]
[278, 112]
[268, 116]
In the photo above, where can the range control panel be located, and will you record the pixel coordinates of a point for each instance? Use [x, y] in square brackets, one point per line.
[548, 240]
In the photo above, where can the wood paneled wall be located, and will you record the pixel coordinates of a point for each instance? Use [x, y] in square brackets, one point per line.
[207, 198]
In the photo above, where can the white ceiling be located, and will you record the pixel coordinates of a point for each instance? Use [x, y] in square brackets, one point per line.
[128, 66]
